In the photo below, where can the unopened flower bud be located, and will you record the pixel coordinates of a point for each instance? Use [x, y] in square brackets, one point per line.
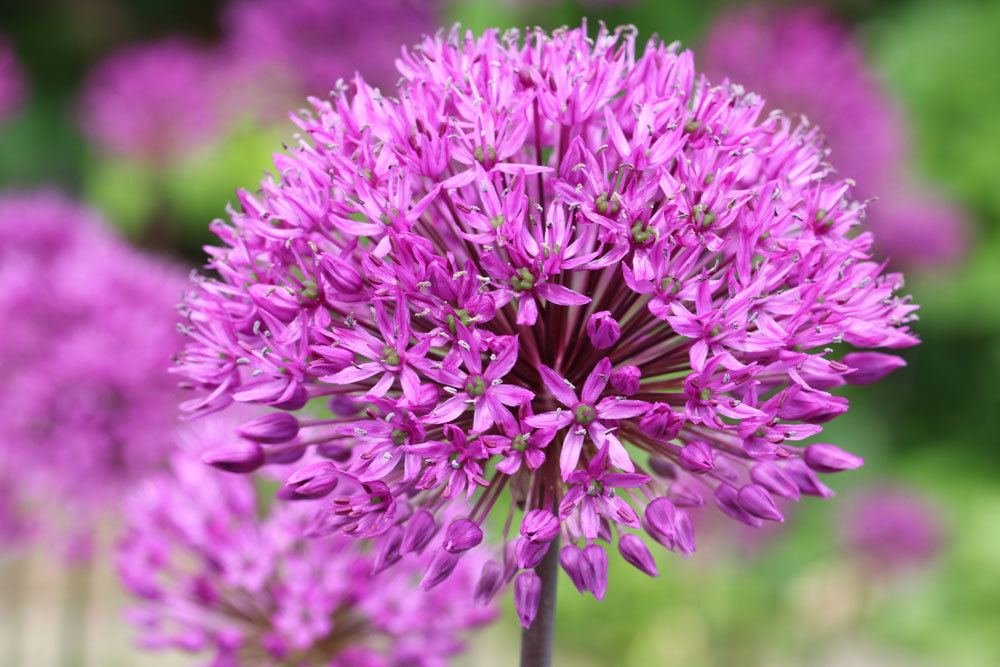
[529, 554]
[314, 480]
[490, 581]
[595, 570]
[625, 380]
[661, 422]
[824, 457]
[527, 595]
[774, 479]
[442, 565]
[387, 549]
[420, 528]
[240, 456]
[462, 535]
[635, 551]
[603, 330]
[540, 526]
[870, 366]
[270, 429]
[755, 499]
[697, 457]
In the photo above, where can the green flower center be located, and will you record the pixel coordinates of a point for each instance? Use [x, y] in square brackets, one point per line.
[584, 414]
[389, 356]
[398, 436]
[609, 206]
[519, 443]
[595, 488]
[475, 386]
[640, 233]
[523, 280]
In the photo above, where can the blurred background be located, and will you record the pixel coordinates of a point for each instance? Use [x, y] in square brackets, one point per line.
[152, 113]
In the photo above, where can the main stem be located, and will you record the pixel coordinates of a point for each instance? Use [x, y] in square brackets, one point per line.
[536, 641]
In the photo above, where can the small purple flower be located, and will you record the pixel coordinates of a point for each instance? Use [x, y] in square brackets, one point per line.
[892, 529]
[197, 551]
[773, 52]
[553, 273]
[88, 406]
[124, 112]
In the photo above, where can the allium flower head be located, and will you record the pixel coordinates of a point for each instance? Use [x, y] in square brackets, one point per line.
[892, 529]
[804, 62]
[152, 101]
[556, 270]
[86, 403]
[213, 575]
[11, 80]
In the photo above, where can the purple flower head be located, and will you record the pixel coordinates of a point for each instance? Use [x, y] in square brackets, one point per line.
[87, 403]
[554, 270]
[212, 573]
[804, 62]
[892, 529]
[153, 102]
[12, 84]
[316, 42]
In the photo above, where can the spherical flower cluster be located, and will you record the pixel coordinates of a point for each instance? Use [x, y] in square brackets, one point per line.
[11, 81]
[577, 283]
[86, 403]
[316, 42]
[212, 575]
[153, 101]
[806, 63]
[892, 529]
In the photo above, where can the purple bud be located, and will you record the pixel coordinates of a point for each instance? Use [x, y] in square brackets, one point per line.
[806, 480]
[343, 406]
[528, 554]
[661, 422]
[727, 498]
[571, 560]
[595, 570]
[635, 551]
[870, 366]
[540, 526]
[755, 499]
[663, 467]
[342, 276]
[684, 496]
[462, 535]
[335, 451]
[823, 457]
[659, 521]
[603, 330]
[290, 452]
[314, 480]
[697, 457]
[773, 478]
[419, 531]
[490, 581]
[240, 456]
[625, 380]
[815, 407]
[527, 595]
[270, 429]
[387, 549]
[685, 533]
[442, 565]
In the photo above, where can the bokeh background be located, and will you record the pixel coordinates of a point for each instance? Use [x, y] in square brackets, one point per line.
[903, 569]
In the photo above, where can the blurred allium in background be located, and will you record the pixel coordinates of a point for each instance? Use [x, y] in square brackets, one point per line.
[153, 102]
[316, 42]
[557, 277]
[86, 404]
[12, 85]
[213, 574]
[803, 62]
[892, 529]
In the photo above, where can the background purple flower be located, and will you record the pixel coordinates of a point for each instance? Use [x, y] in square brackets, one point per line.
[12, 85]
[892, 529]
[152, 101]
[86, 405]
[316, 42]
[435, 258]
[803, 62]
[214, 574]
